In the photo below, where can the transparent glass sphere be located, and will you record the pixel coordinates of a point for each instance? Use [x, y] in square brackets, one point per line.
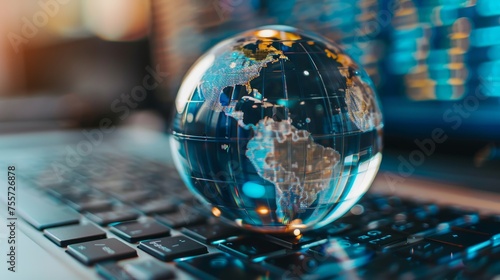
[277, 130]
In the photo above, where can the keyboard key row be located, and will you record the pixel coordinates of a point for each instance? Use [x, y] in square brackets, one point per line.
[376, 234]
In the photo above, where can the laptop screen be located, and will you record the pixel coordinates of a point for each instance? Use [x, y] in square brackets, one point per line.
[440, 69]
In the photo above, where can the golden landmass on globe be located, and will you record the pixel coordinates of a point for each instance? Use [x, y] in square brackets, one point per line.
[248, 68]
[263, 49]
[359, 95]
[360, 99]
[297, 181]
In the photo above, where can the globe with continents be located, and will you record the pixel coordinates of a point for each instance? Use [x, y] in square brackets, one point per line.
[277, 130]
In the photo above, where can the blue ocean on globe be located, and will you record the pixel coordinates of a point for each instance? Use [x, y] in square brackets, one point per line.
[277, 130]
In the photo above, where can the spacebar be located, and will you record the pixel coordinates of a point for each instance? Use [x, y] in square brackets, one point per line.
[42, 213]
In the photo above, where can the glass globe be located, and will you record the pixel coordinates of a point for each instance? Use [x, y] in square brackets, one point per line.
[277, 130]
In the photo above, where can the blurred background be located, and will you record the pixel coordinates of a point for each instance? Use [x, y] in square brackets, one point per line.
[69, 63]
[62, 63]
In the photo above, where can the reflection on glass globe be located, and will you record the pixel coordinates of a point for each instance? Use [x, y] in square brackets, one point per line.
[277, 130]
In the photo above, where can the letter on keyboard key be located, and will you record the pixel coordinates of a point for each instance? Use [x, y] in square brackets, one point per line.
[101, 250]
[150, 270]
[169, 248]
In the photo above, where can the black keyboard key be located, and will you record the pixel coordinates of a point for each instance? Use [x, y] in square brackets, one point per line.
[380, 239]
[333, 229]
[378, 223]
[349, 254]
[43, 213]
[209, 233]
[304, 265]
[483, 267]
[66, 190]
[150, 270]
[389, 205]
[390, 266]
[100, 250]
[471, 242]
[136, 231]
[221, 266]
[422, 211]
[452, 217]
[169, 248]
[132, 196]
[326, 261]
[182, 218]
[424, 219]
[431, 251]
[414, 227]
[251, 247]
[90, 204]
[297, 242]
[63, 236]
[488, 226]
[108, 217]
[157, 206]
[362, 220]
[112, 271]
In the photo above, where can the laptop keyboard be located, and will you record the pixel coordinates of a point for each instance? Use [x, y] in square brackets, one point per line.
[111, 206]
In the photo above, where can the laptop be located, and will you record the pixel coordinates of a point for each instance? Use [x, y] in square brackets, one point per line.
[102, 199]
